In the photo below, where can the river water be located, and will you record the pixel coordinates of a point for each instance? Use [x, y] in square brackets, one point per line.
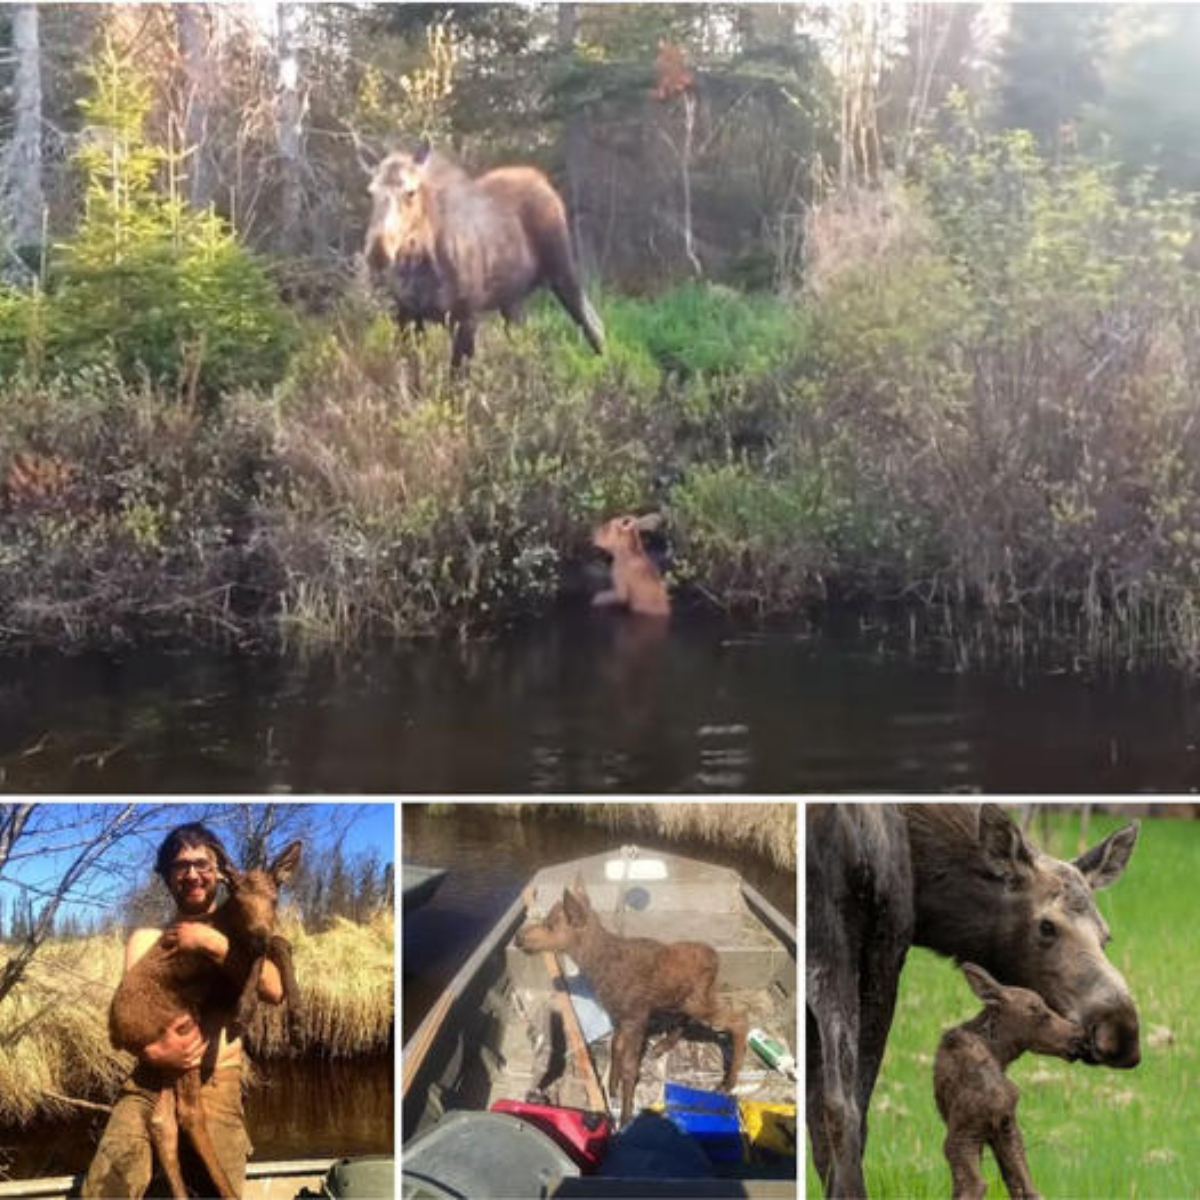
[490, 858]
[589, 703]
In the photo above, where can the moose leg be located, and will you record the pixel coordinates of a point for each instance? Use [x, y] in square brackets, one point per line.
[279, 951]
[614, 1061]
[724, 1019]
[191, 1119]
[667, 1042]
[633, 1040]
[1009, 1149]
[963, 1153]
[248, 1000]
[164, 1133]
[463, 340]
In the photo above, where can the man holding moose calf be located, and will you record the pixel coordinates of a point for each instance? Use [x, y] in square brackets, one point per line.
[188, 862]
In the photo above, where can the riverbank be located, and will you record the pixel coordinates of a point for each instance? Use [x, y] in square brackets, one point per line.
[54, 1025]
[766, 830]
[945, 429]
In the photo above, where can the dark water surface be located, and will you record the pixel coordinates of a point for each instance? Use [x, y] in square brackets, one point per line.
[308, 1109]
[588, 703]
[491, 858]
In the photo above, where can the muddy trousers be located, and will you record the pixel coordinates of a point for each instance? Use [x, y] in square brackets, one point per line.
[124, 1160]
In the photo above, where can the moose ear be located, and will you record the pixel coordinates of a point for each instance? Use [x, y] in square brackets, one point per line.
[1003, 843]
[1103, 863]
[289, 859]
[649, 522]
[981, 983]
[421, 153]
[575, 905]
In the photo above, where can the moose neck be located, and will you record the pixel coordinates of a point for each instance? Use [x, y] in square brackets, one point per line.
[1004, 1049]
[593, 946]
[963, 908]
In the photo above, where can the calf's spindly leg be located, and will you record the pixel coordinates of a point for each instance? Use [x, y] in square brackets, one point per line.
[191, 1120]
[164, 1133]
[1009, 1149]
[963, 1153]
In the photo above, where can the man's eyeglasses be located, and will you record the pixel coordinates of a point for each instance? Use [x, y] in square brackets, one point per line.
[180, 870]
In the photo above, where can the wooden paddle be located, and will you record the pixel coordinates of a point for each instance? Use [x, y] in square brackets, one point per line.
[575, 1040]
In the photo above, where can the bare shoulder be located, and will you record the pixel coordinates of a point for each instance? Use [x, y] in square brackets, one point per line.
[140, 940]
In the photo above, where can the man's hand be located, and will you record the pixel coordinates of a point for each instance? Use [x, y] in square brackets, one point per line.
[197, 937]
[180, 1048]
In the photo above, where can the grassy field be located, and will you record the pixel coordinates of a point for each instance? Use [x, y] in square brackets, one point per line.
[1089, 1132]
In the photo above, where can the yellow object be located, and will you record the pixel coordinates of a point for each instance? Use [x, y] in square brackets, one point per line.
[769, 1128]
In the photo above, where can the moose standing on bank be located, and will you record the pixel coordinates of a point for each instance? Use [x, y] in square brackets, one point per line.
[963, 881]
[448, 247]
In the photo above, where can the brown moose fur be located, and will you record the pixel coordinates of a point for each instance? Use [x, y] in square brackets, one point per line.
[636, 581]
[165, 984]
[977, 1101]
[451, 248]
[635, 977]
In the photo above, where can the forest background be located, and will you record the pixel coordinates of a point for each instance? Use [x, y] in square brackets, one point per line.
[901, 305]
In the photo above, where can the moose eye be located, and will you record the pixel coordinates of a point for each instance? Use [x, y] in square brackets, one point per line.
[1047, 929]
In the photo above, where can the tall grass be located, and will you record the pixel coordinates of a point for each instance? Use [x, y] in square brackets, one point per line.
[1089, 1131]
[54, 1026]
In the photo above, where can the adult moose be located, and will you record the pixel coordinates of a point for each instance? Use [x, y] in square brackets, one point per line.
[963, 881]
[449, 247]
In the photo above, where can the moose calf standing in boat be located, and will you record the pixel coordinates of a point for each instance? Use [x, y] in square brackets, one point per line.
[977, 1100]
[167, 983]
[633, 978]
[963, 881]
[449, 247]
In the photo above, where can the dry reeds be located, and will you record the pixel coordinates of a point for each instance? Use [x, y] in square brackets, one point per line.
[768, 830]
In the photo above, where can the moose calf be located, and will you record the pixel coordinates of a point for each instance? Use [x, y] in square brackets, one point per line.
[636, 581]
[976, 1100]
[634, 977]
[166, 984]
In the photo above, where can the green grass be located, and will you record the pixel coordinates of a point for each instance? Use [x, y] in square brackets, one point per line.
[1089, 1132]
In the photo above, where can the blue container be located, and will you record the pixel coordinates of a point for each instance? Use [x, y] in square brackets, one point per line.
[710, 1117]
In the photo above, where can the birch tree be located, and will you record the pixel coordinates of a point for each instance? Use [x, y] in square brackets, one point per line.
[26, 200]
[289, 125]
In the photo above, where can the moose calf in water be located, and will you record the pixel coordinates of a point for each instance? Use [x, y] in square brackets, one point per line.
[636, 581]
[976, 1100]
[634, 977]
[449, 247]
[166, 984]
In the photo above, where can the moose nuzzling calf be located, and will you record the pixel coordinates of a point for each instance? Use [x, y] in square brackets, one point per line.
[977, 1100]
[166, 984]
[448, 247]
[634, 977]
[962, 880]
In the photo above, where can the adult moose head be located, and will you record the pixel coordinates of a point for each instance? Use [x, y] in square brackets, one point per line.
[448, 247]
[963, 881]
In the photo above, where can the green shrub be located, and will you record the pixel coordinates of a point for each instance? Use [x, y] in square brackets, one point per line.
[749, 541]
[145, 284]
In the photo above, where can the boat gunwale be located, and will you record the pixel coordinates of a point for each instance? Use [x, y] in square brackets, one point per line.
[58, 1187]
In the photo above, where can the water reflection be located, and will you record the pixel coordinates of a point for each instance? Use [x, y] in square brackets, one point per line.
[306, 1108]
[587, 702]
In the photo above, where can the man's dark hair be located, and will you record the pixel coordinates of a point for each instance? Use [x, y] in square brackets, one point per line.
[192, 834]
